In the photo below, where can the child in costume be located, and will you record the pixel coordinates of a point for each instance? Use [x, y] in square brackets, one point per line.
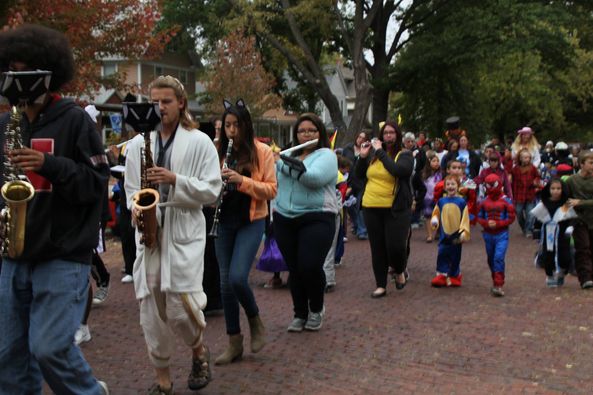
[525, 182]
[467, 188]
[496, 213]
[452, 216]
[554, 214]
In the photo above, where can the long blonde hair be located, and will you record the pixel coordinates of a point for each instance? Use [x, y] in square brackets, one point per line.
[532, 146]
[167, 81]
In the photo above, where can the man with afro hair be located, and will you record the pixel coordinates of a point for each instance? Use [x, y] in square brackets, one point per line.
[43, 290]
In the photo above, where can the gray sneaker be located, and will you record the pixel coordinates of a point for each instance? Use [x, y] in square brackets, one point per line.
[497, 291]
[297, 325]
[315, 320]
[551, 282]
[101, 294]
[587, 284]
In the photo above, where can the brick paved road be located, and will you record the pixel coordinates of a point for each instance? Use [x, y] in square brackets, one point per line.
[419, 340]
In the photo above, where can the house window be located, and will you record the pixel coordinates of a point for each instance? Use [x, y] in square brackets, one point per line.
[109, 68]
[158, 71]
[183, 77]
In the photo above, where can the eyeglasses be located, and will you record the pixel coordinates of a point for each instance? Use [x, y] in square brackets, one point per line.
[385, 133]
[493, 160]
[307, 131]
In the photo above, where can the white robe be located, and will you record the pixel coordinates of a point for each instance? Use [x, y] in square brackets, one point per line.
[177, 263]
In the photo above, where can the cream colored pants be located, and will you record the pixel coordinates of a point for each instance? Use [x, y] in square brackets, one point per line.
[164, 315]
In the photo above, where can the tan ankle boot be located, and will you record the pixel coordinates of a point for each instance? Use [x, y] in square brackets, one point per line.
[233, 352]
[258, 333]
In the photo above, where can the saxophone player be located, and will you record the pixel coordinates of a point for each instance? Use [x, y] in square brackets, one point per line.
[43, 289]
[170, 274]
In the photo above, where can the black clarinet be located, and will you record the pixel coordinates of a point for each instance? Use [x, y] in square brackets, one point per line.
[225, 182]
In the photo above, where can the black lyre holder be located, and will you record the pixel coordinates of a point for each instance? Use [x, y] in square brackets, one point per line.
[142, 117]
[22, 88]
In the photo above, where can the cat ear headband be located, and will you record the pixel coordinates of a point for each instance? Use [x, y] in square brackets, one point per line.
[239, 104]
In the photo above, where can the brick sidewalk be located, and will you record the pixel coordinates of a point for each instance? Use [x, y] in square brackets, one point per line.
[419, 340]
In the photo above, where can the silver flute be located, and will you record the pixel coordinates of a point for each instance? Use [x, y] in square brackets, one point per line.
[298, 147]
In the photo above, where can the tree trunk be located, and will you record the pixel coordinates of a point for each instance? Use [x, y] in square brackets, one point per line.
[380, 107]
[363, 93]
[333, 106]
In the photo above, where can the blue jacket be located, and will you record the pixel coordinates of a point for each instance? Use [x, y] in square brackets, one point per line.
[313, 191]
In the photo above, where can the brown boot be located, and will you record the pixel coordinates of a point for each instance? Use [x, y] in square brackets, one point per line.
[233, 352]
[258, 333]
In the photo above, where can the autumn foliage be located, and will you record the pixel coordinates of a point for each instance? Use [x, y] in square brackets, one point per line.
[237, 72]
[97, 29]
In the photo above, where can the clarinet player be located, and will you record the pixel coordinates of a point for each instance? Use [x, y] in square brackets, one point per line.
[168, 277]
[251, 181]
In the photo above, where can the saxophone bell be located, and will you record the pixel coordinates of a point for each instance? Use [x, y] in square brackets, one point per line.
[145, 201]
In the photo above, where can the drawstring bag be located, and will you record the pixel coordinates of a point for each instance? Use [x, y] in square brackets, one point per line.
[271, 259]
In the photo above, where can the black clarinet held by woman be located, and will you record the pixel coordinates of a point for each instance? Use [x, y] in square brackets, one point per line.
[227, 157]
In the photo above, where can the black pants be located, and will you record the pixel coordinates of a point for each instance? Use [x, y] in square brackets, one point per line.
[388, 237]
[98, 270]
[548, 258]
[211, 281]
[583, 243]
[304, 243]
[128, 241]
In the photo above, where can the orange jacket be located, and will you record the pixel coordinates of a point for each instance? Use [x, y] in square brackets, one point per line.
[262, 185]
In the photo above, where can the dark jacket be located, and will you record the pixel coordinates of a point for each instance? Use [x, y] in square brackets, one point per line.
[401, 169]
[474, 162]
[354, 182]
[63, 216]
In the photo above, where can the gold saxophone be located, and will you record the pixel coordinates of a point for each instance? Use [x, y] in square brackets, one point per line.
[147, 198]
[15, 192]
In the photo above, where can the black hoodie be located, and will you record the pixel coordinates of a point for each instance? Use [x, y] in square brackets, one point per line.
[63, 216]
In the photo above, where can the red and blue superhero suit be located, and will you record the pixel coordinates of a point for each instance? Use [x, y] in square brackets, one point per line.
[498, 208]
[452, 217]
[467, 190]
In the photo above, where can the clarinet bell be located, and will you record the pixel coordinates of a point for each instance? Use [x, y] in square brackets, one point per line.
[214, 231]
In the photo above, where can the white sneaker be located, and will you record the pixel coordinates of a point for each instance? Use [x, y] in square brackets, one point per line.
[128, 278]
[83, 334]
[103, 386]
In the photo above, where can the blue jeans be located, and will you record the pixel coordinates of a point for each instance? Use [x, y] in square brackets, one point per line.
[236, 246]
[524, 216]
[41, 306]
[355, 213]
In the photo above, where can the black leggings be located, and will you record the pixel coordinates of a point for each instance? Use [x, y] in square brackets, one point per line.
[99, 271]
[128, 241]
[388, 237]
[304, 242]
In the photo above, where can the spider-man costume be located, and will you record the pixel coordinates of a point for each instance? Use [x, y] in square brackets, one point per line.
[498, 208]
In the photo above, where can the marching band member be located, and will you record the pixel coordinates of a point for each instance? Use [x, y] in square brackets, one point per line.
[251, 182]
[168, 278]
[305, 218]
[387, 204]
[43, 292]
